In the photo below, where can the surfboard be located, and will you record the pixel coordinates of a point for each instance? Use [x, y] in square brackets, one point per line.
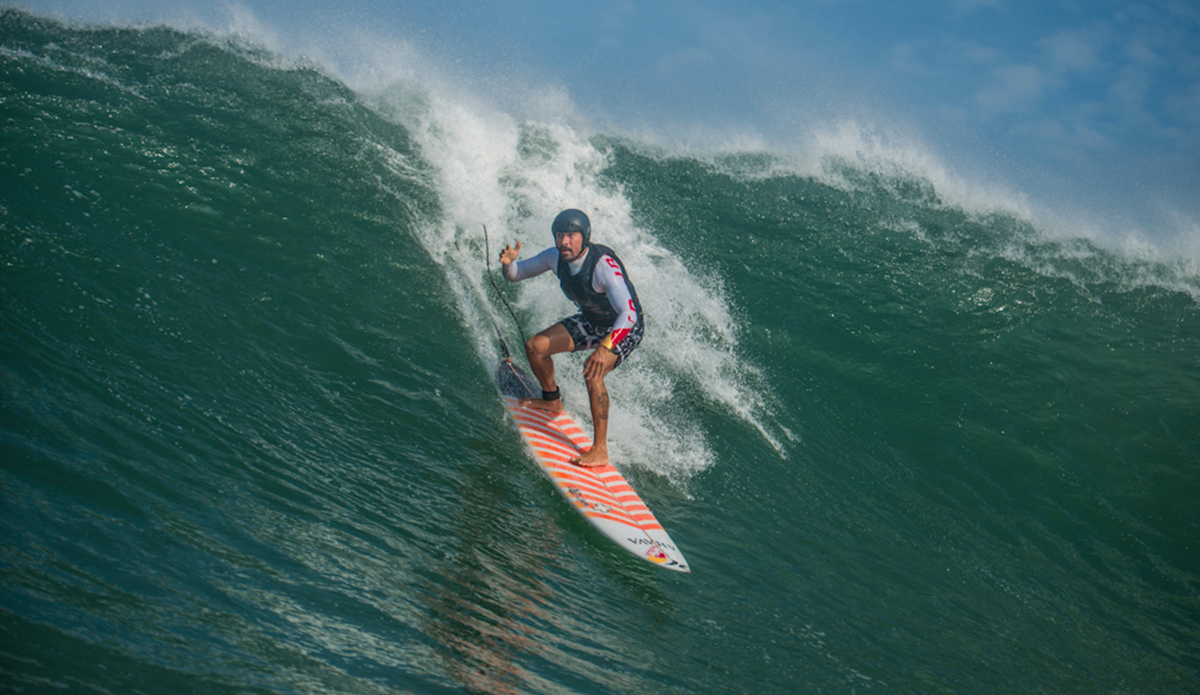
[601, 495]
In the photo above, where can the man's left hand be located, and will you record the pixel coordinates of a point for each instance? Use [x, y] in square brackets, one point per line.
[599, 363]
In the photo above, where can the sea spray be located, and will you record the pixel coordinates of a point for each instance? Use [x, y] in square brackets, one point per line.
[514, 177]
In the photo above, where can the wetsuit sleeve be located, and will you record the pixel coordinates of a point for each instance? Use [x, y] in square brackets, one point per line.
[523, 270]
[609, 279]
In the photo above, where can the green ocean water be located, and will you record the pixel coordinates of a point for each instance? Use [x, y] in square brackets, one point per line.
[250, 441]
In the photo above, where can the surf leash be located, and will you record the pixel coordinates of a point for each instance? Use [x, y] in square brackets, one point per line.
[487, 254]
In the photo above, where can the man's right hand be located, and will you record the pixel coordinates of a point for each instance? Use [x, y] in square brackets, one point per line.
[509, 254]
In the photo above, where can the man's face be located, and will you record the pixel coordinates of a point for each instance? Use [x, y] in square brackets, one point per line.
[570, 245]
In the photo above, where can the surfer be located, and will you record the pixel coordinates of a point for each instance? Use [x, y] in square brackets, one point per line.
[610, 319]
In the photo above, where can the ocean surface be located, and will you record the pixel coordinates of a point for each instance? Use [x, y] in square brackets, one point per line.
[250, 440]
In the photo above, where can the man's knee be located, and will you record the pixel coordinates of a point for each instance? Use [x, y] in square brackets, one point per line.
[595, 383]
[537, 347]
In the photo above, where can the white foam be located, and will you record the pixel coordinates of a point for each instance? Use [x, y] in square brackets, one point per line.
[842, 154]
[514, 177]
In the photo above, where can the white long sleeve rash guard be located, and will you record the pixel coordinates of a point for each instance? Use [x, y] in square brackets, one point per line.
[606, 278]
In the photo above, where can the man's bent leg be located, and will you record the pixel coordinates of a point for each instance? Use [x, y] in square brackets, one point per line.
[540, 350]
[598, 396]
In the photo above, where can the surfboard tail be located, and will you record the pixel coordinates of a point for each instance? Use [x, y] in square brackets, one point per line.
[514, 382]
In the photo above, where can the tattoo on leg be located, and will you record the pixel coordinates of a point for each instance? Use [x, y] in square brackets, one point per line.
[603, 399]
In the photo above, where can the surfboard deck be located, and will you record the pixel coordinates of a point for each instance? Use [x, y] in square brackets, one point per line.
[601, 495]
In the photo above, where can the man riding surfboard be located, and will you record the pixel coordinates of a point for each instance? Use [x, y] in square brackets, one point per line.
[610, 321]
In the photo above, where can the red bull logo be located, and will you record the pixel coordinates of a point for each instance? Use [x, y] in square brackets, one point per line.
[655, 554]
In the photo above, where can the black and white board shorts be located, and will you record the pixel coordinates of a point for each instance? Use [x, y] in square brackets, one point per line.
[587, 336]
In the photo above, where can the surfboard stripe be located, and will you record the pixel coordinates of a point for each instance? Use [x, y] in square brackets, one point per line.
[544, 428]
[542, 438]
[548, 429]
[549, 446]
[586, 492]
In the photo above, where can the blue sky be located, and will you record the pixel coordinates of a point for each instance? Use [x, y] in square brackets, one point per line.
[1093, 107]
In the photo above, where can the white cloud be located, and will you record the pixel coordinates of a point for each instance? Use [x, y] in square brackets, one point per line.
[972, 5]
[1184, 105]
[683, 61]
[1014, 88]
[983, 55]
[1140, 52]
[1128, 91]
[1077, 135]
[1073, 50]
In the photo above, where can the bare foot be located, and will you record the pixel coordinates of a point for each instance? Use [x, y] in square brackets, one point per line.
[592, 458]
[554, 406]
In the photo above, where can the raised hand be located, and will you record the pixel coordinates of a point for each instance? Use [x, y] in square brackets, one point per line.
[509, 254]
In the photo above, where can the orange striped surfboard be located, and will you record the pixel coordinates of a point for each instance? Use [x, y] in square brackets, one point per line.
[601, 495]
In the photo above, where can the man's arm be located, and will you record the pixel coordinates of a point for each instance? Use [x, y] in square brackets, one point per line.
[608, 279]
[514, 270]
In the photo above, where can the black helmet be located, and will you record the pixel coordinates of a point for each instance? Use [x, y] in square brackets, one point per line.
[573, 221]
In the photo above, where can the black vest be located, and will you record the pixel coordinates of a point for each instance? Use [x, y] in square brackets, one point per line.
[595, 305]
